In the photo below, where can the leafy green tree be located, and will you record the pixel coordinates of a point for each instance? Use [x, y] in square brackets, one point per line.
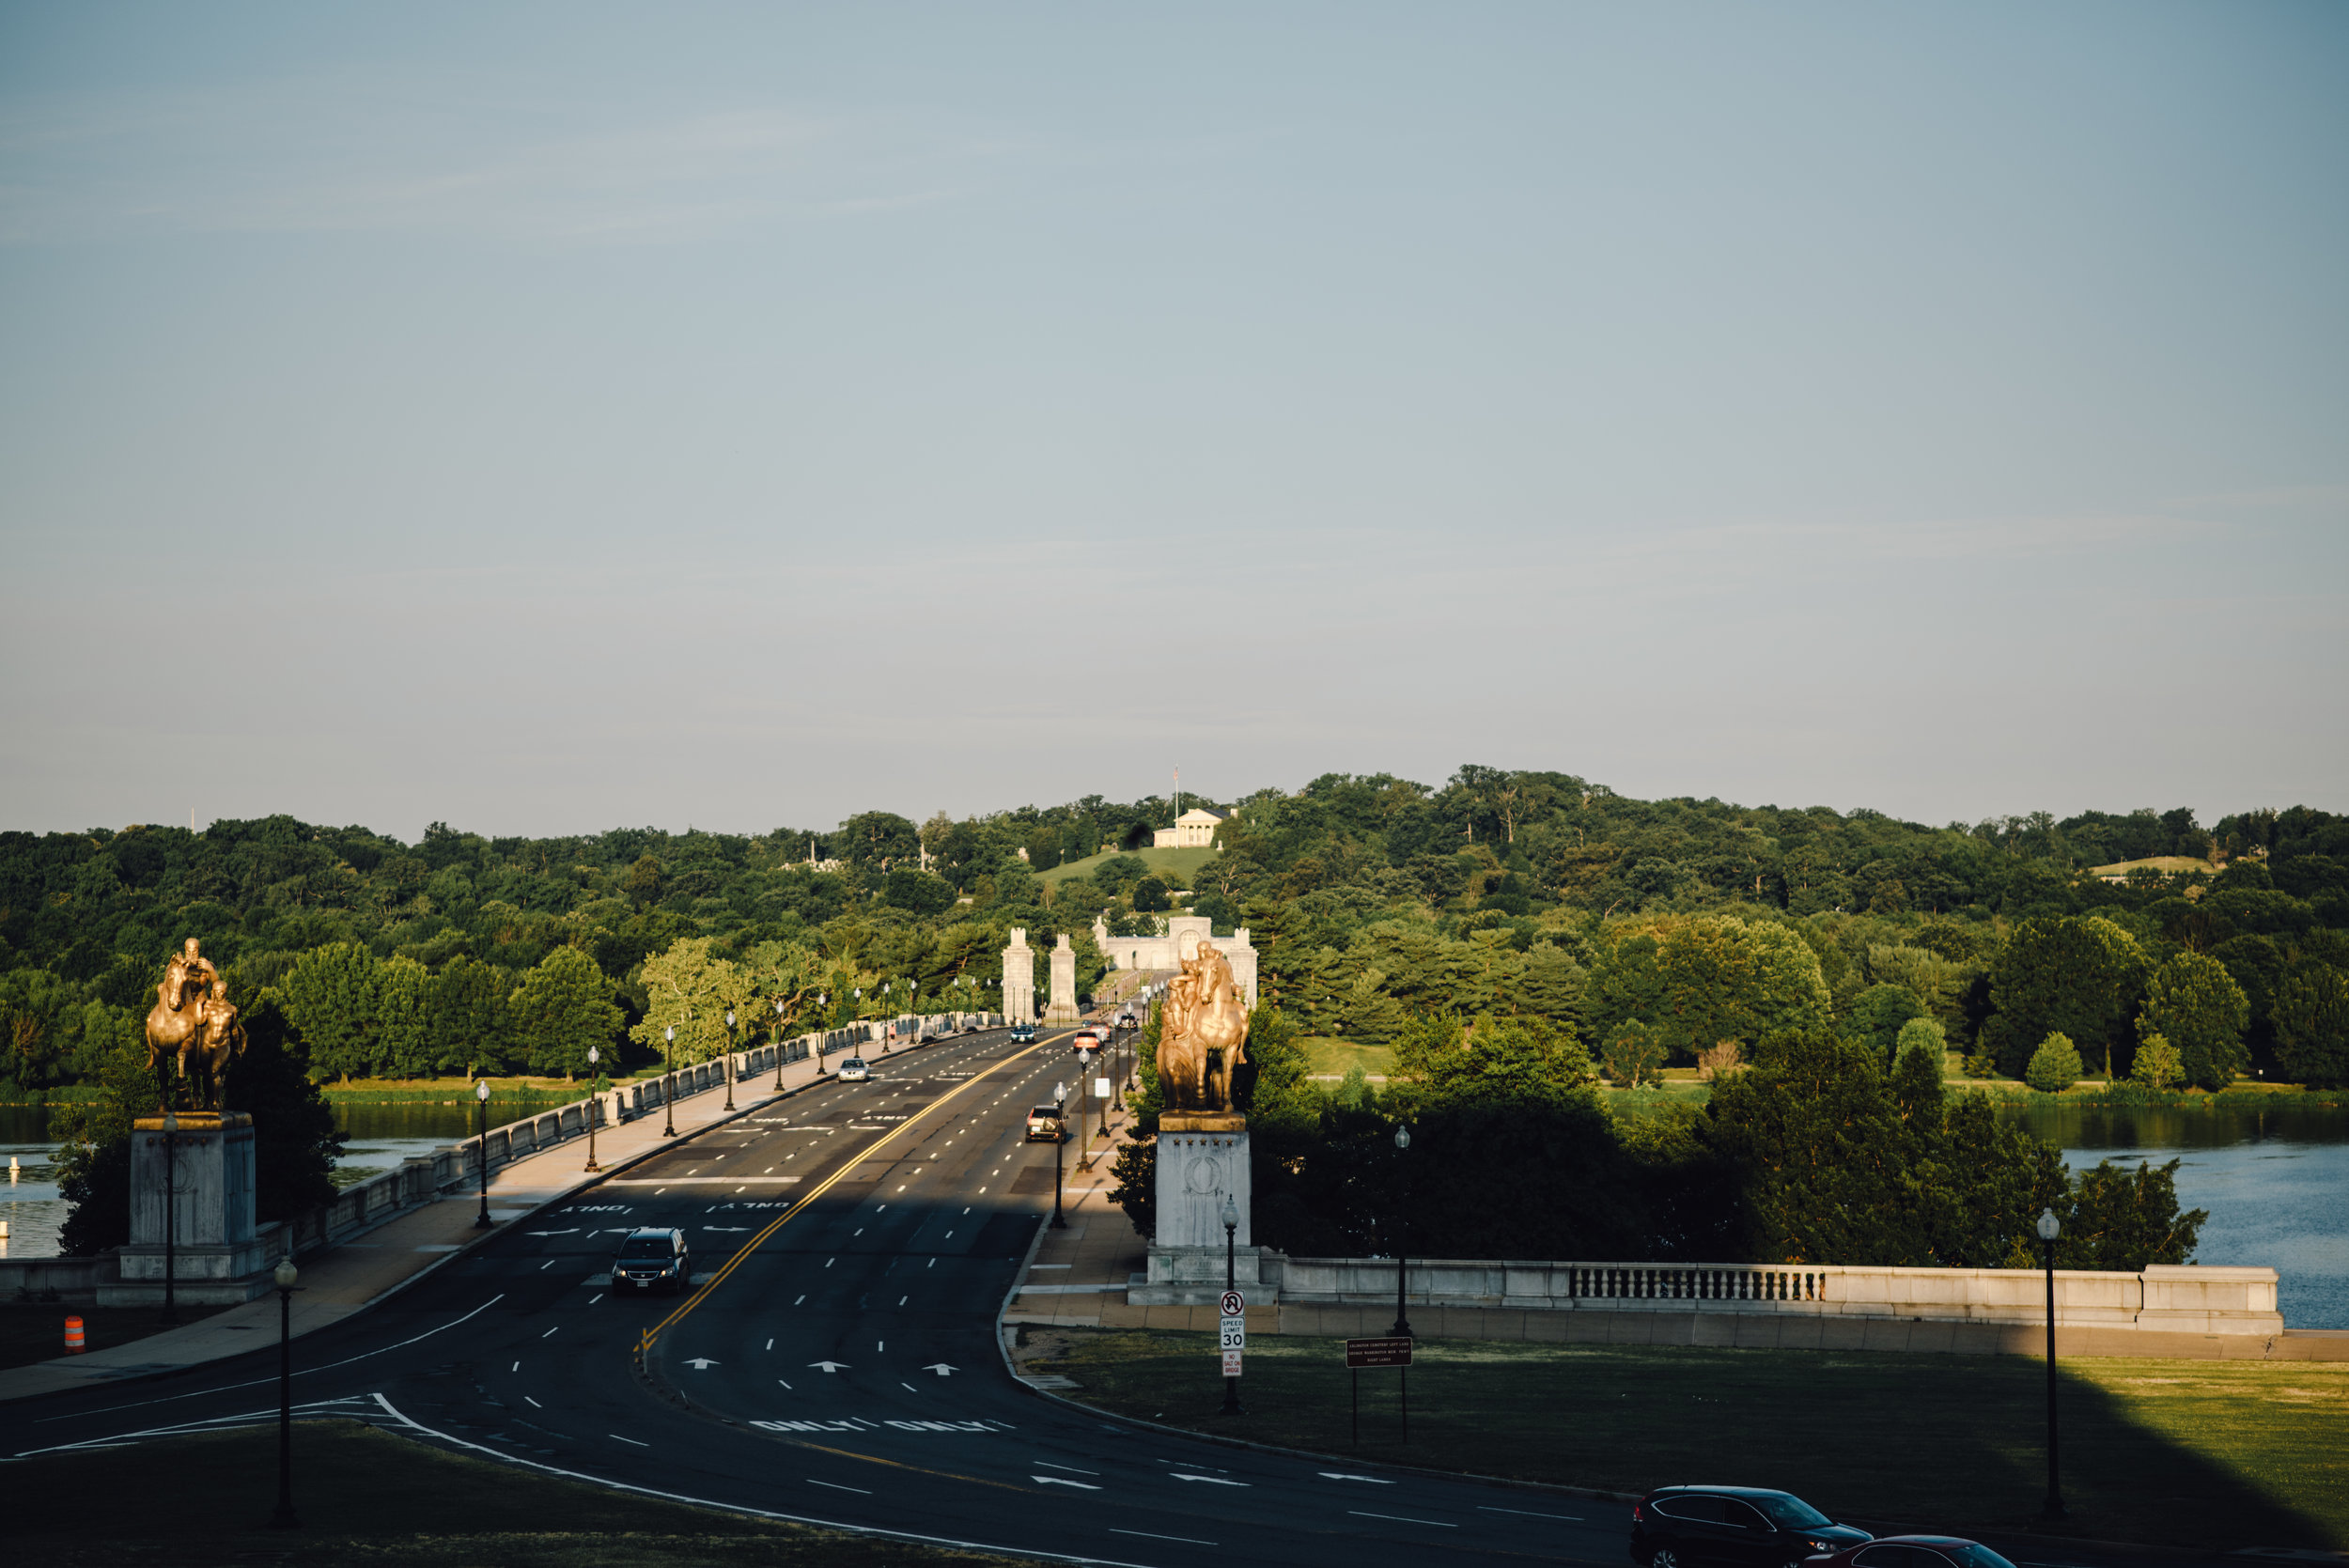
[877, 840]
[2055, 1066]
[330, 998]
[1879, 1013]
[2157, 1066]
[2194, 1004]
[917, 891]
[403, 1018]
[1150, 896]
[2125, 1220]
[2080, 977]
[563, 1006]
[2312, 1025]
[1921, 1036]
[295, 1142]
[466, 1026]
[1723, 978]
[1633, 1054]
[686, 988]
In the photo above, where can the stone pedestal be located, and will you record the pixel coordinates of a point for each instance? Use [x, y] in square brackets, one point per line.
[1202, 1159]
[1063, 1007]
[220, 1256]
[1019, 979]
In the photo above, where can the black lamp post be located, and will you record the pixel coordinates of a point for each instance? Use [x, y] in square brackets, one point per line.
[1060, 1137]
[595, 1107]
[285, 1275]
[1402, 1264]
[1084, 1087]
[1231, 1283]
[779, 1007]
[2049, 1228]
[481, 1097]
[171, 1217]
[668, 1082]
[729, 1059]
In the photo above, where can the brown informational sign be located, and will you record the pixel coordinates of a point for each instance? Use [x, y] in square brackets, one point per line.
[1395, 1352]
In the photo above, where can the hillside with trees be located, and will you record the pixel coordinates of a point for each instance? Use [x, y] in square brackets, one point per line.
[1650, 931]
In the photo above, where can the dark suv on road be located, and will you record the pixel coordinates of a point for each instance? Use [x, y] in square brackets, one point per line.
[653, 1260]
[1714, 1527]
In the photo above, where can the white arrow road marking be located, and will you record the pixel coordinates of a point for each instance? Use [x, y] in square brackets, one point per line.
[702, 1364]
[828, 1366]
[940, 1368]
[1047, 1464]
[573, 1230]
[1215, 1479]
[1400, 1519]
[724, 1229]
[1055, 1481]
[1340, 1475]
[1153, 1535]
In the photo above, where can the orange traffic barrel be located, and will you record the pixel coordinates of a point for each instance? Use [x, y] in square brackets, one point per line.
[73, 1346]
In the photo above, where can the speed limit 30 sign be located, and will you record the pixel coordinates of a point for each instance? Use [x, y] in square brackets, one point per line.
[1234, 1329]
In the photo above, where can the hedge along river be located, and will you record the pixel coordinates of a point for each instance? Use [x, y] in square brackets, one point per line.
[2273, 1175]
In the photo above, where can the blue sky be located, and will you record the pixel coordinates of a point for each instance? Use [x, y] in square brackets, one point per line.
[549, 417]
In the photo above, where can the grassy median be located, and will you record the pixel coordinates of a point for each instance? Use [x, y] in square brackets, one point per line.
[366, 1498]
[2209, 1453]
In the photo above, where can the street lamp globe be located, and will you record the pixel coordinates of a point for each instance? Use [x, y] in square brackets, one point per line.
[669, 1034]
[481, 1090]
[285, 1274]
[594, 1056]
[1231, 1214]
[729, 1017]
[2049, 1228]
[1060, 1092]
[1402, 1136]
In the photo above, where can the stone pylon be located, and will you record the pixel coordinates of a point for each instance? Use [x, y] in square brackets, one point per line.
[1019, 979]
[1063, 1007]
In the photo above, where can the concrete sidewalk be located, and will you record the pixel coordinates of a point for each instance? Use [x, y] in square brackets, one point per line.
[370, 1264]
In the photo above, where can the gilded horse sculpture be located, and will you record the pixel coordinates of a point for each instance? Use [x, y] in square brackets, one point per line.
[192, 1017]
[1202, 1033]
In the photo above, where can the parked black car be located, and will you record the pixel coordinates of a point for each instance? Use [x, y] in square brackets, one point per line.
[1748, 1527]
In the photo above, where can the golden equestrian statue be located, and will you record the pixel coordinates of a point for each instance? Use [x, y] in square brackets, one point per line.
[192, 1017]
[1202, 1033]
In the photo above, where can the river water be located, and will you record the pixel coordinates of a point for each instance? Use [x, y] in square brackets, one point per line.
[2275, 1181]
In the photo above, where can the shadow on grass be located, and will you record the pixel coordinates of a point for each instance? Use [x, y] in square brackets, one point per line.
[2222, 1454]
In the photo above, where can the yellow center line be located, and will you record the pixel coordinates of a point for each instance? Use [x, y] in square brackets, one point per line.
[728, 1268]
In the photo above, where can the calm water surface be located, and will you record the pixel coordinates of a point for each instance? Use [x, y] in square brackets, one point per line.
[2276, 1183]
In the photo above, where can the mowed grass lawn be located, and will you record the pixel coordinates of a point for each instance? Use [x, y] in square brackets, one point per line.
[2211, 1453]
[366, 1497]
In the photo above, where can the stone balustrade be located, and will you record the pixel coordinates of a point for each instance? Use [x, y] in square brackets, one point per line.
[2179, 1299]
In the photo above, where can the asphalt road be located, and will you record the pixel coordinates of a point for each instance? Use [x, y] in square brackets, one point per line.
[837, 1361]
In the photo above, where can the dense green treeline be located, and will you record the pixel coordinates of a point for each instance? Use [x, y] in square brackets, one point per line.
[1816, 1152]
[1649, 931]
